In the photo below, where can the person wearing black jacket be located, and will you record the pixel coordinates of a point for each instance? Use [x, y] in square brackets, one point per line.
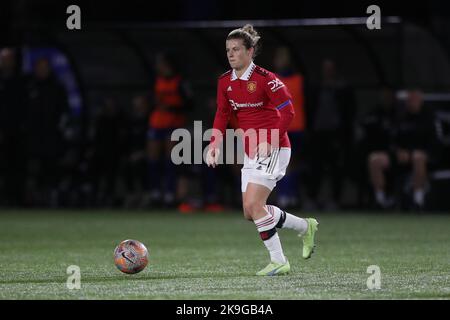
[13, 110]
[48, 108]
[378, 128]
[413, 140]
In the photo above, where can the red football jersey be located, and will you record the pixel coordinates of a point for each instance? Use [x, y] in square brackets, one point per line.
[258, 99]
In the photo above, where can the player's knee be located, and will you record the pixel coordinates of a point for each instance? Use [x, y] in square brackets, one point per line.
[246, 206]
[247, 216]
[252, 208]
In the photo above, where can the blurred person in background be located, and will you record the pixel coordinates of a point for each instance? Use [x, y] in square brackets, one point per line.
[213, 181]
[289, 186]
[48, 108]
[214, 185]
[412, 141]
[378, 128]
[330, 118]
[13, 115]
[172, 101]
[107, 151]
[136, 158]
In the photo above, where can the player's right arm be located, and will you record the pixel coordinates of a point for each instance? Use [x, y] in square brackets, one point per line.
[223, 114]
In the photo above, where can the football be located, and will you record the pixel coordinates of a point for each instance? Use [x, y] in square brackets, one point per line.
[131, 256]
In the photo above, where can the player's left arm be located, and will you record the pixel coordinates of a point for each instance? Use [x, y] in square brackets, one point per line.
[281, 100]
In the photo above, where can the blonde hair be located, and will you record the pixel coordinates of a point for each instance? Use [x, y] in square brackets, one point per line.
[249, 36]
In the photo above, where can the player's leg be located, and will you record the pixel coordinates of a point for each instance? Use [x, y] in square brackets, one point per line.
[254, 205]
[154, 155]
[169, 171]
[305, 227]
[419, 165]
[285, 220]
[378, 163]
[254, 201]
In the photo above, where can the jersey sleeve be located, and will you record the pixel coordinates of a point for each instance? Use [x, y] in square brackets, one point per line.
[223, 114]
[281, 99]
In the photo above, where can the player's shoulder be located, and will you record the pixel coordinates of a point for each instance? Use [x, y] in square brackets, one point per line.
[262, 72]
[225, 74]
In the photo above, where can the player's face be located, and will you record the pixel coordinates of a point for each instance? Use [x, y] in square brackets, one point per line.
[238, 55]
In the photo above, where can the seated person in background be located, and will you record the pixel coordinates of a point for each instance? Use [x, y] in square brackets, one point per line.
[378, 128]
[413, 138]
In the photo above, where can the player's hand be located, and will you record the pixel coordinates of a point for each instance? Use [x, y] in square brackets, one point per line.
[212, 157]
[264, 149]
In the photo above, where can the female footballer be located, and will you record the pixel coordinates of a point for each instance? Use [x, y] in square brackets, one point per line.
[261, 104]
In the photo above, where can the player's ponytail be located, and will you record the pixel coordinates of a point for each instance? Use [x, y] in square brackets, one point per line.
[249, 36]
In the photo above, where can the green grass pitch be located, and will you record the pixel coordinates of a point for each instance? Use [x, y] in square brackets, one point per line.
[215, 256]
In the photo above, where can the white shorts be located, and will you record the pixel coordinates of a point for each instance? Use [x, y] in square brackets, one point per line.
[265, 171]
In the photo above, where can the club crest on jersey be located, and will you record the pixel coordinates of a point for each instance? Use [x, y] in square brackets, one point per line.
[251, 86]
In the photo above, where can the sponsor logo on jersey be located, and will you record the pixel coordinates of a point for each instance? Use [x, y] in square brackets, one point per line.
[245, 105]
[275, 84]
[251, 86]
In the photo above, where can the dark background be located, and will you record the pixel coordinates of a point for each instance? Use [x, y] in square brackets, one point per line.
[113, 54]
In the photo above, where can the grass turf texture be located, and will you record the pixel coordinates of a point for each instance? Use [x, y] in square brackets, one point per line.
[215, 256]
